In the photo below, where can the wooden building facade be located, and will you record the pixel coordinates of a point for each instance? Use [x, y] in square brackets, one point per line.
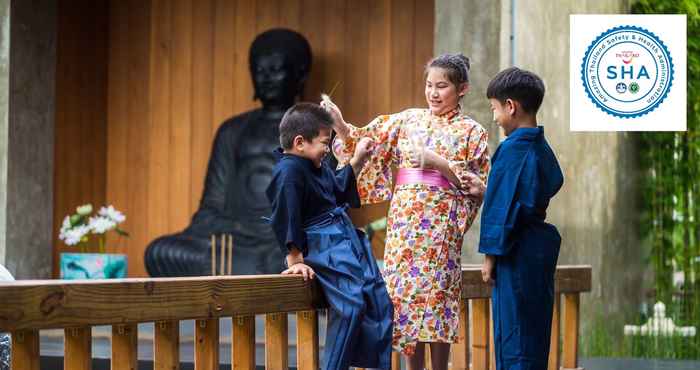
[142, 86]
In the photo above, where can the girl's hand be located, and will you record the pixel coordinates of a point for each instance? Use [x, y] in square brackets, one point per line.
[424, 158]
[417, 157]
[300, 269]
[339, 125]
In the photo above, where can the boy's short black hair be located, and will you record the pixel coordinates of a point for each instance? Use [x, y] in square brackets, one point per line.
[520, 85]
[305, 119]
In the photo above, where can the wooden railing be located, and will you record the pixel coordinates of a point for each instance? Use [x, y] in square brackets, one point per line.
[75, 306]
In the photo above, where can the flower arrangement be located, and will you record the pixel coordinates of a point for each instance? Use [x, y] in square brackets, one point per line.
[77, 228]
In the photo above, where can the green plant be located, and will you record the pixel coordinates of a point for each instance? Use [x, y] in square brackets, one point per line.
[671, 165]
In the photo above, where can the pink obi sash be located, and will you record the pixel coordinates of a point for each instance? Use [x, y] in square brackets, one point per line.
[422, 176]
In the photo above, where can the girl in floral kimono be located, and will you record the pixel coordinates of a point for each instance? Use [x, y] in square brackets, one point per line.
[442, 160]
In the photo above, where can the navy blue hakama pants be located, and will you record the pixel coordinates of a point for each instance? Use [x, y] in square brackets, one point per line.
[360, 316]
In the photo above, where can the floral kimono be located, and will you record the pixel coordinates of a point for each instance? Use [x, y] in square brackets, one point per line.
[426, 223]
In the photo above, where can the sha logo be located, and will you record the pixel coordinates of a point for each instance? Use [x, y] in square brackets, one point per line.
[627, 71]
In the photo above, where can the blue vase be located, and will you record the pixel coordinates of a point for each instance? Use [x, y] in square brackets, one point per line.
[93, 266]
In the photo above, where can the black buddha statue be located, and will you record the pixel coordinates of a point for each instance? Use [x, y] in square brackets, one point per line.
[239, 170]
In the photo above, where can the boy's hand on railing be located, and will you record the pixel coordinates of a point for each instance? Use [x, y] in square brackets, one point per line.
[487, 269]
[295, 264]
[300, 269]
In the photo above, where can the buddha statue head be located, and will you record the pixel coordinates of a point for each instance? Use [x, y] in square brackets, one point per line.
[280, 62]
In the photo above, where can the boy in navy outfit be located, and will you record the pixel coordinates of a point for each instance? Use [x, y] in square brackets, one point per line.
[521, 248]
[309, 199]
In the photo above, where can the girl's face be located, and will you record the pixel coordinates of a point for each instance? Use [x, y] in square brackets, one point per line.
[441, 94]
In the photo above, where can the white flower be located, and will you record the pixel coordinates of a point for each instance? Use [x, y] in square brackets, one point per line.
[75, 235]
[65, 226]
[84, 210]
[112, 214]
[100, 225]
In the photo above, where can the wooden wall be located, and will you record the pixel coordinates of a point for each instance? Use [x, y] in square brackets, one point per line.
[81, 110]
[171, 71]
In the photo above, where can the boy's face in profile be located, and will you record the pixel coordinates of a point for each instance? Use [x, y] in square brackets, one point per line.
[317, 148]
[503, 114]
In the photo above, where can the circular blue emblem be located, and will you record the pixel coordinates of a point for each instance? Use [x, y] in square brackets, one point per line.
[622, 57]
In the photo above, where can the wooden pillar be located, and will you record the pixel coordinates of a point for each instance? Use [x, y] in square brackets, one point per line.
[571, 312]
[307, 340]
[460, 350]
[243, 343]
[78, 349]
[25, 350]
[166, 345]
[276, 342]
[206, 345]
[124, 347]
[395, 361]
[480, 334]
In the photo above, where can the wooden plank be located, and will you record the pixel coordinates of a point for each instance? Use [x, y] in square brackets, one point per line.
[356, 74]
[80, 111]
[78, 349]
[567, 279]
[554, 339]
[377, 66]
[202, 85]
[42, 304]
[276, 341]
[124, 347]
[267, 15]
[314, 31]
[224, 32]
[422, 46]
[307, 340]
[291, 14]
[166, 345]
[160, 128]
[180, 149]
[480, 334]
[67, 127]
[379, 81]
[58, 304]
[460, 350]
[571, 322]
[245, 32]
[136, 140]
[243, 342]
[473, 285]
[99, 41]
[402, 73]
[573, 279]
[118, 113]
[206, 345]
[25, 350]
[334, 52]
